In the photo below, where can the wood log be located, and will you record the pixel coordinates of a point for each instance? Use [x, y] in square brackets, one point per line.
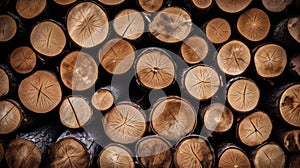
[2, 151]
[233, 6]
[201, 4]
[232, 156]
[294, 161]
[154, 151]
[23, 59]
[8, 80]
[103, 99]
[112, 2]
[290, 140]
[8, 27]
[115, 155]
[151, 5]
[276, 5]
[218, 30]
[294, 65]
[30, 9]
[64, 2]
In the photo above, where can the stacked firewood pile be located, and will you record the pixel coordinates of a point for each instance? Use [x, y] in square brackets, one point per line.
[150, 83]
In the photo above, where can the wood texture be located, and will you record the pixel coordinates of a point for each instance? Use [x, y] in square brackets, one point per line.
[194, 49]
[291, 140]
[276, 5]
[232, 6]
[233, 156]
[202, 4]
[11, 116]
[151, 5]
[8, 27]
[64, 2]
[23, 59]
[102, 99]
[218, 30]
[29, 9]
[111, 2]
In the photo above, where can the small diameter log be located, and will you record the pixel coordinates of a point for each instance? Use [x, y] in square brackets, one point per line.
[294, 161]
[151, 5]
[40, 92]
[64, 2]
[154, 151]
[8, 81]
[75, 112]
[194, 49]
[233, 6]
[294, 65]
[11, 116]
[171, 25]
[269, 155]
[242, 94]
[125, 123]
[217, 118]
[73, 149]
[201, 81]
[234, 58]
[155, 69]
[173, 118]
[201, 4]
[233, 156]
[117, 56]
[218, 30]
[115, 155]
[87, 24]
[270, 60]
[129, 24]
[291, 140]
[254, 24]
[30, 9]
[276, 5]
[8, 27]
[78, 71]
[254, 129]
[111, 2]
[102, 99]
[194, 151]
[22, 59]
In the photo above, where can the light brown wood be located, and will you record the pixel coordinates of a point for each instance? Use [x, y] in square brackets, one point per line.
[64, 2]
[29, 9]
[276, 5]
[40, 92]
[233, 158]
[78, 71]
[202, 82]
[75, 112]
[11, 116]
[116, 56]
[8, 27]
[291, 140]
[102, 99]
[22, 59]
[218, 30]
[155, 69]
[111, 2]
[4, 83]
[295, 64]
[289, 105]
[243, 95]
[218, 118]
[202, 4]
[115, 155]
[173, 118]
[255, 129]
[2, 152]
[233, 6]
[23, 153]
[254, 24]
[125, 123]
[294, 161]
[154, 151]
[171, 25]
[193, 151]
[293, 26]
[234, 58]
[87, 24]
[129, 24]
[194, 49]
[48, 38]
[151, 5]
[269, 155]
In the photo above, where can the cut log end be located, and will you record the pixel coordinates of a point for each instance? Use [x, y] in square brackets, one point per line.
[4, 83]
[40, 92]
[269, 155]
[154, 151]
[254, 24]
[234, 157]
[8, 27]
[10, 116]
[78, 71]
[111, 2]
[22, 60]
[233, 6]
[202, 4]
[293, 27]
[276, 6]
[270, 60]
[234, 58]
[151, 5]
[202, 82]
[255, 129]
[194, 49]
[218, 30]
[30, 9]
[173, 118]
[291, 140]
[23, 153]
[102, 99]
[294, 161]
[64, 2]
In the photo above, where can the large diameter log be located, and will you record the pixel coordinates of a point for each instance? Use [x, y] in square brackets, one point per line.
[218, 30]
[30, 9]
[8, 27]
[103, 99]
[233, 6]
[8, 80]
[194, 49]
[23, 59]
[233, 156]
[276, 5]
[151, 5]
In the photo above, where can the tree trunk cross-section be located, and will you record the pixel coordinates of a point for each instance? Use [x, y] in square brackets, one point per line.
[112, 2]
[202, 4]
[29, 9]
[218, 30]
[233, 157]
[233, 6]
[64, 2]
[293, 26]
[10, 116]
[23, 59]
[2, 151]
[8, 27]
[4, 82]
[291, 140]
[269, 155]
[276, 5]
[194, 49]
[151, 5]
[102, 99]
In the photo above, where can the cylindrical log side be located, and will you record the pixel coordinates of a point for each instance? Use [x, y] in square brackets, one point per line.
[8, 80]
[217, 30]
[23, 59]
[294, 161]
[103, 99]
[151, 5]
[232, 156]
[30, 9]
[8, 27]
[276, 6]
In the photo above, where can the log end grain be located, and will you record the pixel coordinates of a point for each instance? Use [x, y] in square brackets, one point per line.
[194, 49]
[10, 116]
[23, 153]
[64, 2]
[111, 2]
[8, 27]
[291, 140]
[23, 60]
[269, 155]
[202, 4]
[30, 9]
[276, 6]
[102, 100]
[293, 26]
[218, 30]
[4, 83]
[233, 6]
[151, 6]
[233, 157]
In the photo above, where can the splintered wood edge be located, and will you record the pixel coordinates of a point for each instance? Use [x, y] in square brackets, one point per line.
[293, 27]
[291, 140]
[289, 105]
[218, 118]
[10, 116]
[129, 24]
[8, 26]
[75, 112]
[87, 24]
[23, 153]
[172, 118]
[30, 9]
[234, 157]
[275, 6]
[255, 129]
[116, 56]
[4, 83]
[194, 152]
[2, 152]
[202, 82]
[23, 59]
[294, 161]
[115, 154]
[64, 2]
[243, 95]
[111, 2]
[78, 71]
[202, 4]
[154, 151]
[194, 49]
[218, 30]
[254, 24]
[295, 64]
[233, 6]
[125, 123]
[48, 38]
[102, 99]
[151, 6]
[269, 155]
[69, 152]
[40, 92]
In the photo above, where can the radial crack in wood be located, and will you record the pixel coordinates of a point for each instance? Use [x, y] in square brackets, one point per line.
[194, 49]
[269, 155]
[218, 30]
[23, 59]
[10, 116]
[29, 9]
[233, 158]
